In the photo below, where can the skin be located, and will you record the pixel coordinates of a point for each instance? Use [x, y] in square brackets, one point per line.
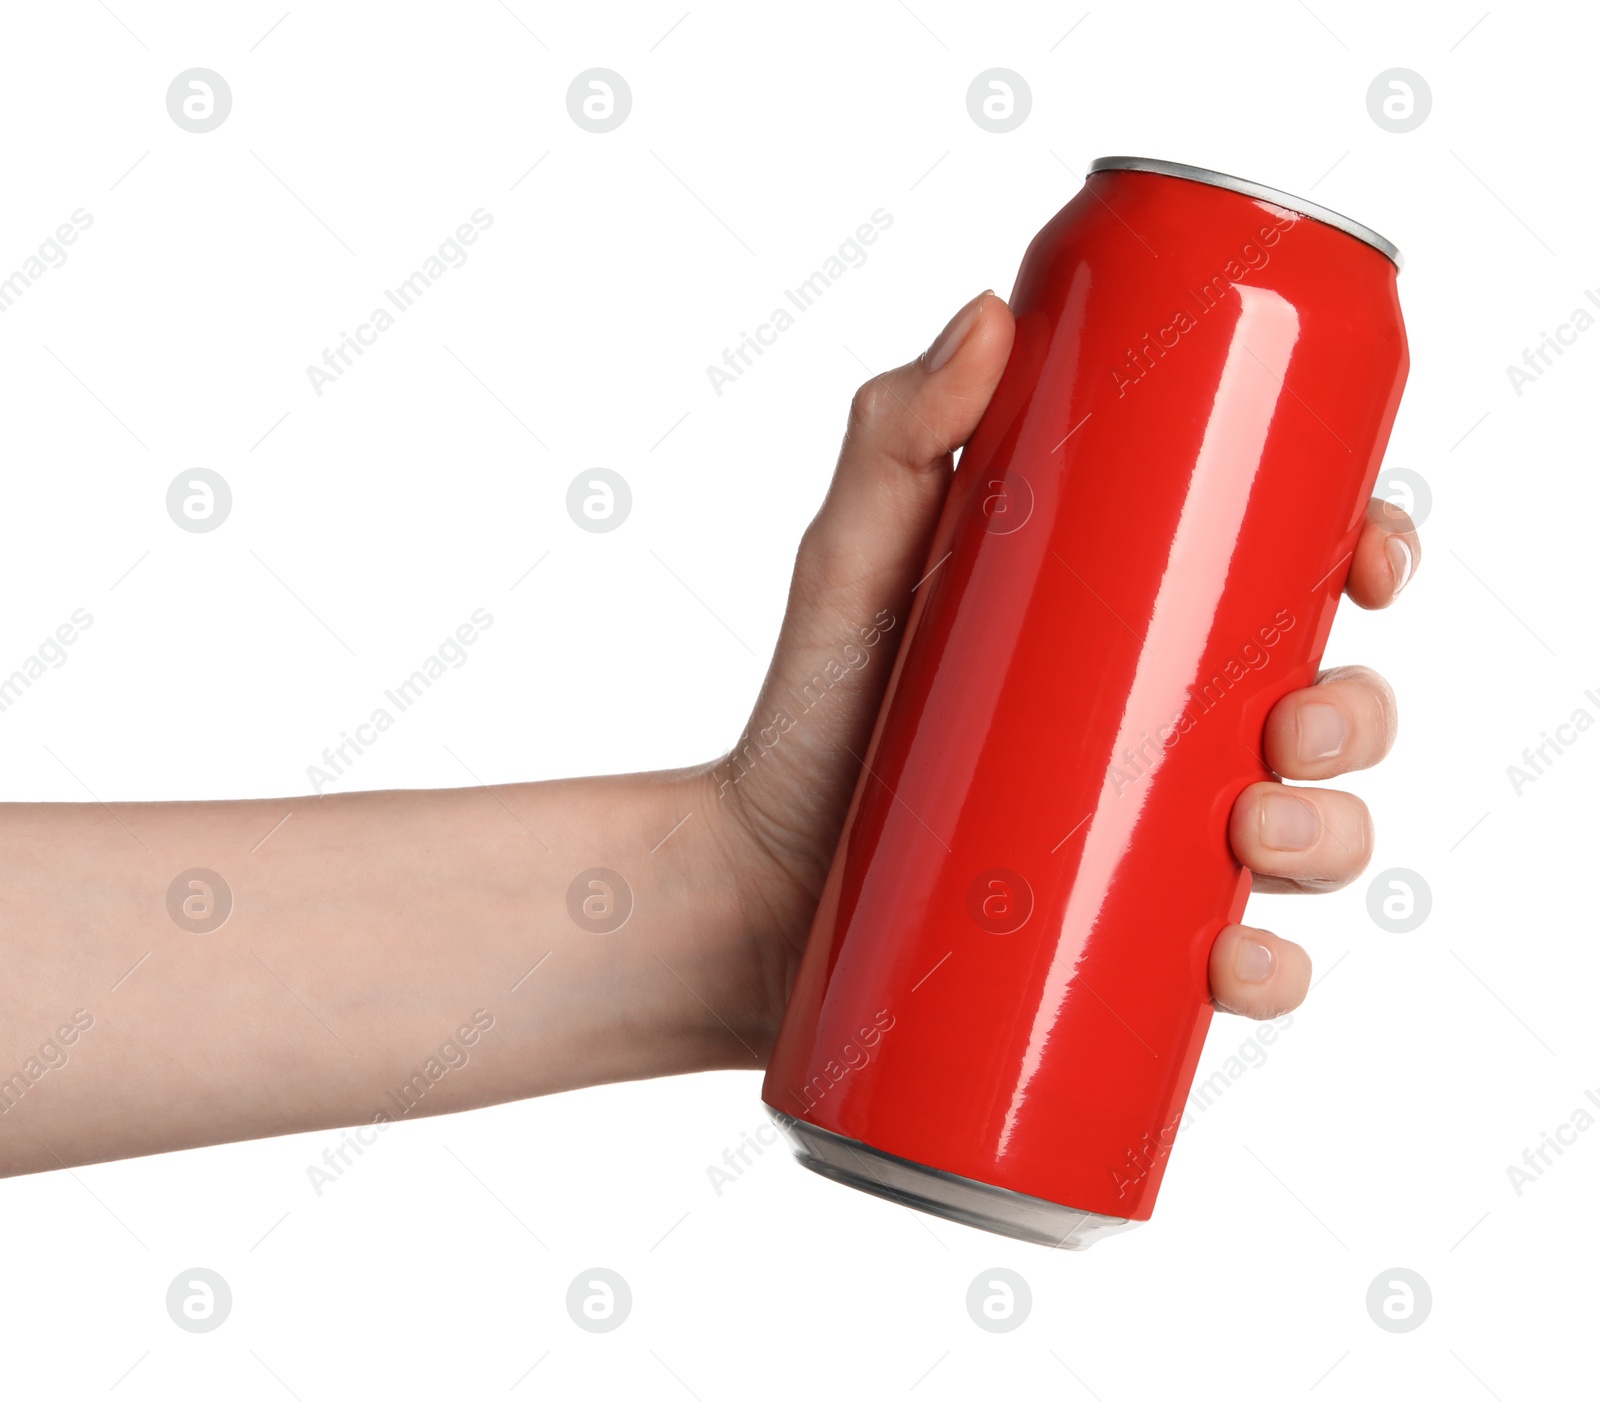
[374, 935]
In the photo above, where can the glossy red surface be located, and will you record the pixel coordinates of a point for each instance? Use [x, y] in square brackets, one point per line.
[1142, 551]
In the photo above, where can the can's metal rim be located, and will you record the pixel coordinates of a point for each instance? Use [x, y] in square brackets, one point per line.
[944, 1194]
[1260, 192]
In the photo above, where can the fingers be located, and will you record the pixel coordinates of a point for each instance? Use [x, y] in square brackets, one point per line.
[1295, 839]
[850, 596]
[1300, 839]
[1346, 721]
[894, 466]
[1388, 552]
[1257, 974]
[868, 545]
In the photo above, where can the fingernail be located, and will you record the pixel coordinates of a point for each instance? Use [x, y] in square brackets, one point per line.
[948, 342]
[1398, 549]
[1253, 962]
[1287, 823]
[1320, 731]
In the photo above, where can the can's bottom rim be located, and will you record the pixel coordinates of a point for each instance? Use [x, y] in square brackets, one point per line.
[943, 1194]
[1256, 191]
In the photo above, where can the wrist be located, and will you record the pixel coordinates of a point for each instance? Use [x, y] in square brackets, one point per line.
[641, 906]
[722, 980]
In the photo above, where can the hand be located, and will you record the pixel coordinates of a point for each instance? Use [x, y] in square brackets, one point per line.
[865, 550]
[353, 972]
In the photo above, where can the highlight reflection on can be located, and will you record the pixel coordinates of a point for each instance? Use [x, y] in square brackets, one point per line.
[999, 1013]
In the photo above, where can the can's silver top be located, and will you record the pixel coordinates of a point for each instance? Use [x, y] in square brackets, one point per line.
[1255, 191]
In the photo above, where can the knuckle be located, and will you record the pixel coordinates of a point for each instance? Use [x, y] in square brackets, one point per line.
[1346, 672]
[1372, 706]
[1366, 835]
[1257, 1005]
[867, 405]
[817, 563]
[1396, 520]
[1388, 708]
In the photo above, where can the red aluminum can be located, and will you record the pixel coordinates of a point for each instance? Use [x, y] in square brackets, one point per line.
[1001, 1006]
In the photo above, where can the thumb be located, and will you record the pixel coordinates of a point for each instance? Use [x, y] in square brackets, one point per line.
[796, 765]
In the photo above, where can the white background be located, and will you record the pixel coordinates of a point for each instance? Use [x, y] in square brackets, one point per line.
[1379, 1129]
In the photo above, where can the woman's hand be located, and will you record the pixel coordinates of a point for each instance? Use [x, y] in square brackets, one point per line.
[611, 928]
[863, 554]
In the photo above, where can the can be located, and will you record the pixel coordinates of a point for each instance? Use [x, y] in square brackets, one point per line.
[1002, 1003]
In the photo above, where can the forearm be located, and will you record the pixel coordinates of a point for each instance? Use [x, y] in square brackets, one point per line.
[394, 953]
